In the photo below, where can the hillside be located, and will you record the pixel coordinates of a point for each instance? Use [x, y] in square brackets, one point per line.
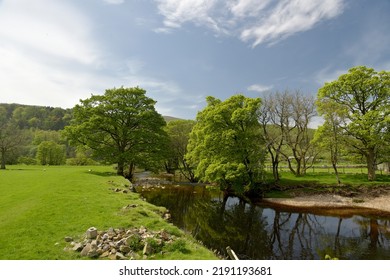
[44, 117]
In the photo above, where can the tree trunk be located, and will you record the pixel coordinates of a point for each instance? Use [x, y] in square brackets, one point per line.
[2, 159]
[275, 170]
[130, 174]
[337, 173]
[371, 164]
[121, 168]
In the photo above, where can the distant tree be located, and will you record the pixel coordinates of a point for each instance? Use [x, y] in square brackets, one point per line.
[47, 135]
[224, 144]
[179, 133]
[274, 119]
[362, 98]
[11, 137]
[298, 135]
[50, 153]
[329, 136]
[121, 126]
[285, 119]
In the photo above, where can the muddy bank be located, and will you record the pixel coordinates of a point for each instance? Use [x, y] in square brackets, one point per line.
[333, 201]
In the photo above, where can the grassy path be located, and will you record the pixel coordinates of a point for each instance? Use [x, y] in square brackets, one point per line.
[39, 206]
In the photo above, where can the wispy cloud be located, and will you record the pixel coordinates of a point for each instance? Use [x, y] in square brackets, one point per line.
[178, 12]
[247, 8]
[259, 88]
[290, 17]
[253, 21]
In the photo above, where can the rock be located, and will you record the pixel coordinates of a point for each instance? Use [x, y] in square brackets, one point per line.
[85, 250]
[94, 245]
[142, 230]
[91, 233]
[164, 235]
[148, 250]
[68, 239]
[111, 232]
[121, 243]
[120, 256]
[78, 247]
[92, 253]
[124, 249]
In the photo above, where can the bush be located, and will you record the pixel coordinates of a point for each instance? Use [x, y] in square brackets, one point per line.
[27, 160]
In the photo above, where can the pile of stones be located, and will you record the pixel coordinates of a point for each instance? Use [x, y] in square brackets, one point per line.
[121, 244]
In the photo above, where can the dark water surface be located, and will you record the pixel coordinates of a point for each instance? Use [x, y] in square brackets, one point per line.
[262, 232]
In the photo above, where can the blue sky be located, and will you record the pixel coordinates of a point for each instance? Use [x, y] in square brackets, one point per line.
[56, 52]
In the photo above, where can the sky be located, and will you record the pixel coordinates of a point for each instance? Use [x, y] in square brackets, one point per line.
[56, 52]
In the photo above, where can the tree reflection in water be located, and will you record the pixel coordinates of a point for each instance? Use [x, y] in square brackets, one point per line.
[256, 232]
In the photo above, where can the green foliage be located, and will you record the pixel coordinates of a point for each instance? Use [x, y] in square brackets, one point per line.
[328, 257]
[361, 101]
[82, 157]
[12, 138]
[121, 126]
[134, 242]
[27, 160]
[225, 143]
[179, 132]
[50, 153]
[179, 245]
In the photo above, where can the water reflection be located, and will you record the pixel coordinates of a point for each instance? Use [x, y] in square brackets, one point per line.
[262, 232]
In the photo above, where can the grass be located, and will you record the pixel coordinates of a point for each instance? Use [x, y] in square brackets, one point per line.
[39, 206]
[315, 182]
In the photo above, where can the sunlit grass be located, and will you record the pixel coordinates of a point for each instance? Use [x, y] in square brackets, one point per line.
[39, 206]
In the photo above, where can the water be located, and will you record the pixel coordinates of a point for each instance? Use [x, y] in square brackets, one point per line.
[262, 232]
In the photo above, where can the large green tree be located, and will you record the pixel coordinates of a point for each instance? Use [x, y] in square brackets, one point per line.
[361, 98]
[225, 144]
[122, 127]
[51, 153]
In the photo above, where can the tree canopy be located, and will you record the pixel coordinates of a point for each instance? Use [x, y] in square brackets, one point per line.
[361, 100]
[122, 127]
[225, 144]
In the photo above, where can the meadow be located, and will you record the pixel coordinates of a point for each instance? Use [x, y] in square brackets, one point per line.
[40, 206]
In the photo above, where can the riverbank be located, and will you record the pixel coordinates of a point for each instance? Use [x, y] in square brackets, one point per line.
[379, 203]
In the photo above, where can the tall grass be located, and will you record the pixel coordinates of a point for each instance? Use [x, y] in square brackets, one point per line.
[39, 206]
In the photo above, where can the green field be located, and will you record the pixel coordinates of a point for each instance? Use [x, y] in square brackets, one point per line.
[39, 206]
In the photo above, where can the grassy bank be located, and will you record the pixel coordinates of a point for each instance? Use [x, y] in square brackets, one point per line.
[323, 182]
[39, 206]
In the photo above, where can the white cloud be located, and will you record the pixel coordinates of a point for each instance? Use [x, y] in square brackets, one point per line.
[49, 28]
[257, 21]
[290, 17]
[114, 2]
[47, 53]
[247, 8]
[259, 88]
[177, 12]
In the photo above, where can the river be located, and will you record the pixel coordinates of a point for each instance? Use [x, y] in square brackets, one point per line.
[262, 232]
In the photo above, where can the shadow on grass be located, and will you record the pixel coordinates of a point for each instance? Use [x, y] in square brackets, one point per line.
[102, 174]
